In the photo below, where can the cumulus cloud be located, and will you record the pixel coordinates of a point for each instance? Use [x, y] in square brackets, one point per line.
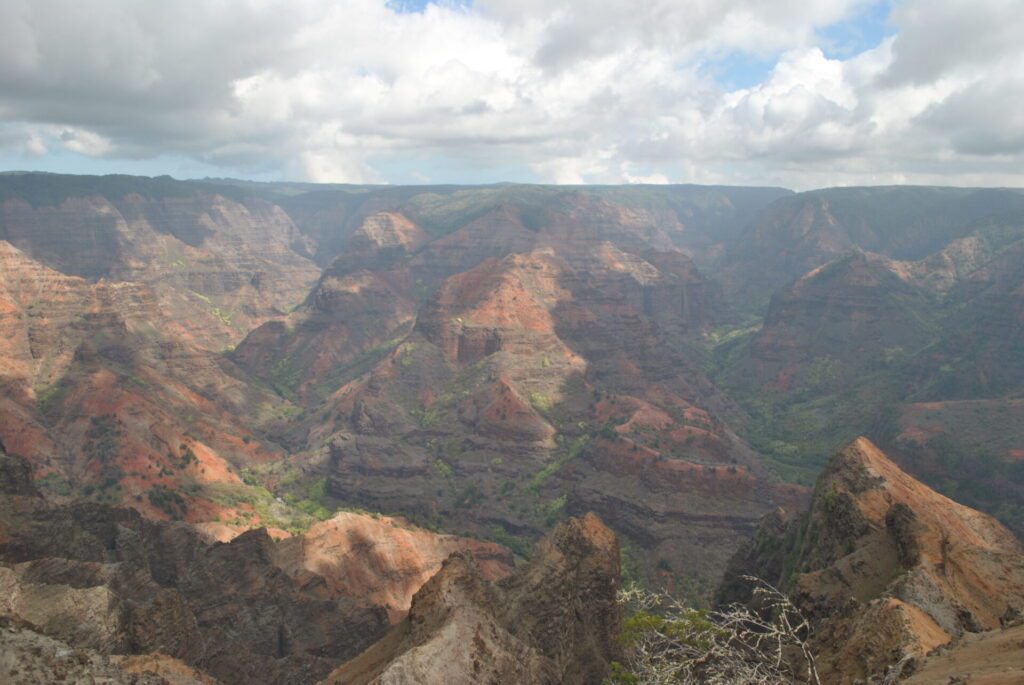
[578, 91]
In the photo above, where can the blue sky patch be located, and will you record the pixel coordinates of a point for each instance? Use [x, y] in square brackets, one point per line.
[418, 6]
[862, 31]
[739, 70]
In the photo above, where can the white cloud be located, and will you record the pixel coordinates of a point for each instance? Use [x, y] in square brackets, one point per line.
[578, 91]
[84, 142]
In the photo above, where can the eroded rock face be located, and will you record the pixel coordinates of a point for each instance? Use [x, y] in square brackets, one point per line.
[117, 296]
[552, 621]
[252, 610]
[992, 658]
[553, 368]
[837, 324]
[108, 581]
[104, 387]
[207, 253]
[28, 658]
[382, 561]
[345, 316]
[886, 567]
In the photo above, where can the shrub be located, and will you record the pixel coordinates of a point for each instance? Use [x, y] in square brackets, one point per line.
[668, 642]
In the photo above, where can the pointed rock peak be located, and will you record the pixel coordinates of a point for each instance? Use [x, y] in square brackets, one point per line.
[858, 267]
[861, 467]
[585, 533]
[878, 489]
[858, 467]
[390, 229]
[554, 620]
[881, 560]
[457, 584]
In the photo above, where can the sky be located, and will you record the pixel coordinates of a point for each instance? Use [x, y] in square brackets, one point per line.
[794, 93]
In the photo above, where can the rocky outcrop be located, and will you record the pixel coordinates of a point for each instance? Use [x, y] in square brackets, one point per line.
[105, 388]
[381, 243]
[345, 319]
[383, 561]
[885, 567]
[107, 580]
[30, 658]
[990, 658]
[553, 621]
[252, 609]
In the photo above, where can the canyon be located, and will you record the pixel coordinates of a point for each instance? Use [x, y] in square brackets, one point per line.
[325, 392]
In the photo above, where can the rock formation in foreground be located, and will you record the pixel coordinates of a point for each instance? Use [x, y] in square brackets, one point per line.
[92, 590]
[886, 568]
[553, 621]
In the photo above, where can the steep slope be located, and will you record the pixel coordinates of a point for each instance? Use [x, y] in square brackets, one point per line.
[532, 385]
[852, 346]
[103, 393]
[990, 658]
[827, 363]
[469, 346]
[380, 560]
[362, 301]
[553, 621]
[799, 233]
[971, 450]
[29, 658]
[218, 261]
[117, 295]
[107, 581]
[840, 322]
[886, 567]
[981, 355]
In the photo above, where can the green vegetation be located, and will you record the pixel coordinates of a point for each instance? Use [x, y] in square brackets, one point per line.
[569, 450]
[101, 439]
[224, 317]
[167, 500]
[257, 501]
[54, 484]
[520, 546]
[541, 402]
[50, 397]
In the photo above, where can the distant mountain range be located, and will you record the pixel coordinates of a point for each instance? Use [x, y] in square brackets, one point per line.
[491, 360]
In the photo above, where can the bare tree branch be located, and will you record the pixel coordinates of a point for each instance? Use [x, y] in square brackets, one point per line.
[668, 642]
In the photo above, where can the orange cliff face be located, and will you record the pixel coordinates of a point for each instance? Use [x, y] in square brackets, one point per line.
[457, 360]
[104, 580]
[381, 560]
[96, 395]
[555, 619]
[539, 382]
[888, 568]
[216, 266]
